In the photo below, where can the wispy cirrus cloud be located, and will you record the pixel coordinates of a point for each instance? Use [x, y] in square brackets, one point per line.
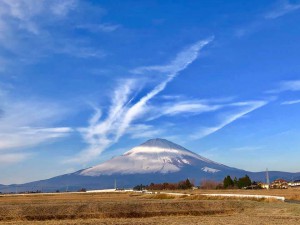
[125, 109]
[25, 27]
[100, 134]
[246, 108]
[11, 158]
[101, 27]
[79, 52]
[25, 123]
[282, 8]
[180, 107]
[144, 131]
[182, 60]
[290, 85]
[189, 107]
[62, 8]
[28, 15]
[292, 102]
[31, 136]
[33, 29]
[247, 149]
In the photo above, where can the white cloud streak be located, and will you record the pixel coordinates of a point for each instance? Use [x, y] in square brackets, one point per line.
[102, 134]
[189, 107]
[99, 135]
[247, 108]
[186, 107]
[31, 136]
[283, 7]
[293, 85]
[291, 102]
[105, 27]
[182, 60]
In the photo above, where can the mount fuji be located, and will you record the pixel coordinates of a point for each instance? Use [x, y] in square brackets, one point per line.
[155, 156]
[156, 160]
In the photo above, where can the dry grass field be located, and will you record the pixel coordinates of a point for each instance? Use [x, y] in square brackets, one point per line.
[134, 208]
[291, 193]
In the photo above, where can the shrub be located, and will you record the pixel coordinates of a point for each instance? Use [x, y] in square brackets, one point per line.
[209, 184]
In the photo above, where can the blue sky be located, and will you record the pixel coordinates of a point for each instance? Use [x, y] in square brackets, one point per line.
[82, 81]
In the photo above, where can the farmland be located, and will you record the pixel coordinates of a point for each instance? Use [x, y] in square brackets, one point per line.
[138, 208]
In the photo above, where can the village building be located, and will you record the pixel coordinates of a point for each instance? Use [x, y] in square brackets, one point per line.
[295, 183]
[279, 184]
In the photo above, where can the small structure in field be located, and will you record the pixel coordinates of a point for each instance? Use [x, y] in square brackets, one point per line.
[264, 185]
[279, 184]
[253, 186]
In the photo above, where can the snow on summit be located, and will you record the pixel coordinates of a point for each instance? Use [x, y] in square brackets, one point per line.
[159, 146]
[153, 156]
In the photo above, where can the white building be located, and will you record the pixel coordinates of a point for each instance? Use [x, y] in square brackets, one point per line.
[295, 183]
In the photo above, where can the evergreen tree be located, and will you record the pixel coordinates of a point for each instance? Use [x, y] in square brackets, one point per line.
[228, 182]
[188, 184]
[244, 181]
[235, 182]
[248, 181]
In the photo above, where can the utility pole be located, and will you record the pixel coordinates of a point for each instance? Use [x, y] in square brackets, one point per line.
[267, 178]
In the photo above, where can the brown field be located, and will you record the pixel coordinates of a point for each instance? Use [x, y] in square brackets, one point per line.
[134, 208]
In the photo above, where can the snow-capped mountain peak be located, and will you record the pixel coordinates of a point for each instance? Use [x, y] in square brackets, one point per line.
[153, 156]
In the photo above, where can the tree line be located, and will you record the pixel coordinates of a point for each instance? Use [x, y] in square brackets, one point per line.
[183, 185]
[237, 183]
[229, 183]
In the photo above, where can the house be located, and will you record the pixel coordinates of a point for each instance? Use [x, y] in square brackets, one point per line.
[279, 184]
[295, 183]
